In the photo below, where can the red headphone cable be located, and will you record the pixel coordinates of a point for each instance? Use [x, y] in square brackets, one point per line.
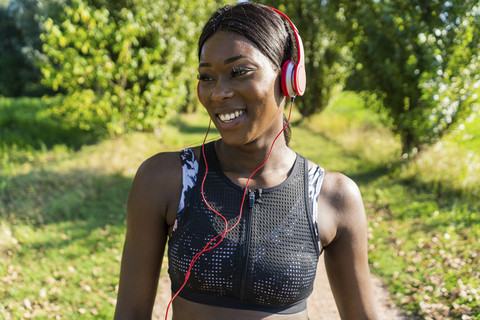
[222, 235]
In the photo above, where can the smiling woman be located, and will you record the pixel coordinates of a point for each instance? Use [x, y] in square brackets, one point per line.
[245, 216]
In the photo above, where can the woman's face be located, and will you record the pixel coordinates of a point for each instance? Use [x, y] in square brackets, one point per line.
[239, 88]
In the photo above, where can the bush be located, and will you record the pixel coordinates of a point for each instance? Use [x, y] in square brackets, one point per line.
[125, 68]
[29, 123]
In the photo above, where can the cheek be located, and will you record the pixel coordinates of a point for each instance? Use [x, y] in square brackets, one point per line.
[202, 95]
[268, 87]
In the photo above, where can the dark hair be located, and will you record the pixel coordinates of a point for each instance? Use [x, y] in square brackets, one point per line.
[259, 24]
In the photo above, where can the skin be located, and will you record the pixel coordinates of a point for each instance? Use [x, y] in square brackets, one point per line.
[236, 76]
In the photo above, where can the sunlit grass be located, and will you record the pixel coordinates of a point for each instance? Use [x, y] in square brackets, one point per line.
[424, 214]
[360, 142]
[62, 221]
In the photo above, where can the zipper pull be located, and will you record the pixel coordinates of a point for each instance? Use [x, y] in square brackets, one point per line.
[251, 198]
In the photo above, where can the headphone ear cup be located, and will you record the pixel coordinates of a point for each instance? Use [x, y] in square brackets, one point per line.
[299, 80]
[287, 78]
[300, 77]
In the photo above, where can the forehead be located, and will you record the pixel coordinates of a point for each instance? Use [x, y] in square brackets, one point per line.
[226, 44]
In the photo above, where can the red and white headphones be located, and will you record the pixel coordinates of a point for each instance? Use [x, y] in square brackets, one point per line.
[293, 78]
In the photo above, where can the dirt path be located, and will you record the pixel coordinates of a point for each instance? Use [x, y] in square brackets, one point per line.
[320, 305]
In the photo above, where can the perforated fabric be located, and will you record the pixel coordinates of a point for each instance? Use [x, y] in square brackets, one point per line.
[268, 261]
[190, 171]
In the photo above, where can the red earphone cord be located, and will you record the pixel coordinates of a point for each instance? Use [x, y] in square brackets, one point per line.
[222, 235]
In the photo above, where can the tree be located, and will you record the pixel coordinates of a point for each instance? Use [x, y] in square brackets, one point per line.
[20, 46]
[10, 61]
[123, 67]
[420, 57]
[327, 59]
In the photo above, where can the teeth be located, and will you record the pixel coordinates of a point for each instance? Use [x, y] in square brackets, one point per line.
[227, 117]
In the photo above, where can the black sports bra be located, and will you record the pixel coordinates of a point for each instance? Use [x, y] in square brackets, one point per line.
[267, 262]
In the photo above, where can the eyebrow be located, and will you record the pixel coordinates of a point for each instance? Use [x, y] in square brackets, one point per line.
[226, 61]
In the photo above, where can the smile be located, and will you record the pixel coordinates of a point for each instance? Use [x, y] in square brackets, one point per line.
[227, 117]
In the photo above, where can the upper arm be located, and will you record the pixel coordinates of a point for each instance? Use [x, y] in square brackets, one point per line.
[346, 258]
[152, 203]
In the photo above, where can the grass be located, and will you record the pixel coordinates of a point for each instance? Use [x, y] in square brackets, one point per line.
[424, 218]
[62, 221]
[30, 124]
[62, 213]
[62, 225]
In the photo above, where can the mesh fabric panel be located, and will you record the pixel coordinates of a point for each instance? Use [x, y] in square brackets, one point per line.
[269, 259]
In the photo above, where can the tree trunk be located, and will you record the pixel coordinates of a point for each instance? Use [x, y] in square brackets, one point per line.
[410, 145]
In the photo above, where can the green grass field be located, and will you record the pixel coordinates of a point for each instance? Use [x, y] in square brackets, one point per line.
[62, 212]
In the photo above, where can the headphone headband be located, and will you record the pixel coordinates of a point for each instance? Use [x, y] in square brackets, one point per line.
[294, 78]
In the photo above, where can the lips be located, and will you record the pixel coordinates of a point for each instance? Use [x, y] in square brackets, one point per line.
[228, 117]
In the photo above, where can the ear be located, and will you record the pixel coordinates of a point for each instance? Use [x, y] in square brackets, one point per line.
[198, 86]
[280, 98]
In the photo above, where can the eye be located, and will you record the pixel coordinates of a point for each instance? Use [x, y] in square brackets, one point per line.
[204, 77]
[236, 71]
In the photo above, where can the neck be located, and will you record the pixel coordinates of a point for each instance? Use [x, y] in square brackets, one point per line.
[238, 163]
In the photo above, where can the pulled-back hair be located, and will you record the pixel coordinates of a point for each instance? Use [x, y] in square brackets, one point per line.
[260, 25]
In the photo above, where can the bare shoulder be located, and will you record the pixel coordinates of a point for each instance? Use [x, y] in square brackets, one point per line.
[160, 170]
[340, 207]
[157, 185]
[340, 192]
[161, 163]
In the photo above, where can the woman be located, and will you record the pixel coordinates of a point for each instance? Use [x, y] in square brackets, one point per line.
[261, 233]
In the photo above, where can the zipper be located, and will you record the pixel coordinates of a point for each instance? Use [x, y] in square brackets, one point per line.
[251, 198]
[251, 202]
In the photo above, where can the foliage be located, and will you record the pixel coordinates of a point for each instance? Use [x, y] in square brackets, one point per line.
[467, 135]
[126, 69]
[20, 46]
[421, 57]
[28, 123]
[327, 59]
[10, 82]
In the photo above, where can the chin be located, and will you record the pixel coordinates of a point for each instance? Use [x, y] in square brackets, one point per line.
[233, 142]
[235, 139]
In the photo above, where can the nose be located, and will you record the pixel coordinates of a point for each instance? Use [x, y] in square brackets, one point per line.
[221, 91]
